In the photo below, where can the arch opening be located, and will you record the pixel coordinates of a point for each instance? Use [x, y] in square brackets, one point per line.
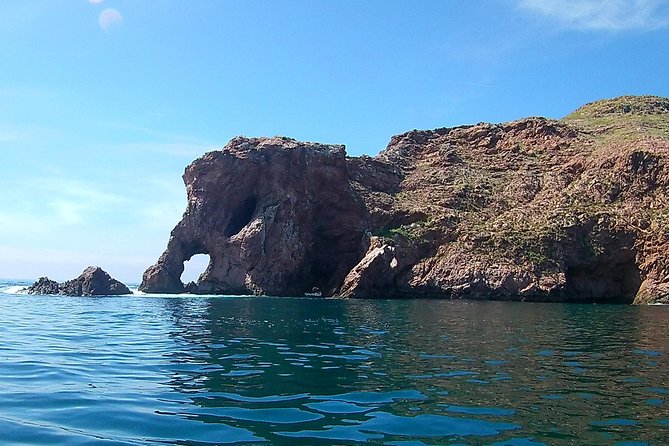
[195, 267]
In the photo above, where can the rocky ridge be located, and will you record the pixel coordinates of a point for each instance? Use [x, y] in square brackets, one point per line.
[93, 281]
[536, 209]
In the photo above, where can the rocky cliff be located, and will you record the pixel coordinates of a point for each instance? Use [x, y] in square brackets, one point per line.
[537, 209]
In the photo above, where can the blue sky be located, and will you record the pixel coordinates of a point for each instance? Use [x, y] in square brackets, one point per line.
[104, 102]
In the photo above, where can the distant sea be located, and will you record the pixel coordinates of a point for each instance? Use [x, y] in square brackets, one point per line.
[204, 370]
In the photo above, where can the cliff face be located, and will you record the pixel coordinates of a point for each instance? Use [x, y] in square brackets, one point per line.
[536, 209]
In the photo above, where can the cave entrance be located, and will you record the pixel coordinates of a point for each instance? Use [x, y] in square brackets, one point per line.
[241, 216]
[194, 267]
[616, 283]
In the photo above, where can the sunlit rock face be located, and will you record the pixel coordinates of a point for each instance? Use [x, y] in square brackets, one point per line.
[536, 209]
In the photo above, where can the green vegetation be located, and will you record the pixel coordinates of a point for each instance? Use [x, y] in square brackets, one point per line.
[545, 194]
[624, 119]
[414, 231]
[533, 246]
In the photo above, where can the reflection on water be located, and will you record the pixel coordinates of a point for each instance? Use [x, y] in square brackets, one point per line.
[197, 371]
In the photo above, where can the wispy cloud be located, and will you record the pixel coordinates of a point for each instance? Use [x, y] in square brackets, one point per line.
[29, 262]
[75, 201]
[189, 150]
[10, 135]
[148, 139]
[79, 190]
[603, 15]
[14, 136]
[56, 202]
[59, 225]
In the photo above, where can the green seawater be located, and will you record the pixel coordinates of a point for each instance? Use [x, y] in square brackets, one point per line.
[195, 370]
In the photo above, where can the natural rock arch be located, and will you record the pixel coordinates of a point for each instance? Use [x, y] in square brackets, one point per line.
[277, 216]
[195, 267]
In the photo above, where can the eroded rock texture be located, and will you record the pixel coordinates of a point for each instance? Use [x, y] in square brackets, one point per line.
[275, 216]
[537, 209]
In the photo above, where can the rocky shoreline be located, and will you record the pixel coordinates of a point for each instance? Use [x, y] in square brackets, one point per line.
[570, 210]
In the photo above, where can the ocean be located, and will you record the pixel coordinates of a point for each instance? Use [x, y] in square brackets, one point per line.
[210, 370]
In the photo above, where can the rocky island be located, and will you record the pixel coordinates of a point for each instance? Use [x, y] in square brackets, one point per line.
[572, 210]
[93, 281]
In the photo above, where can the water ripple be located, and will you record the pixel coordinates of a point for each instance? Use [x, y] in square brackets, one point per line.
[205, 371]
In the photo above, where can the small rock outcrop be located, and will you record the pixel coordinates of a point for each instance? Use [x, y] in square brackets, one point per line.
[572, 210]
[93, 281]
[44, 285]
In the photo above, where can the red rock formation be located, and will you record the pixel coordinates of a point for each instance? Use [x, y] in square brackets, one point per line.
[536, 209]
[276, 216]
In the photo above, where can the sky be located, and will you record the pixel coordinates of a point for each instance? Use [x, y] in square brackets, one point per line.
[103, 103]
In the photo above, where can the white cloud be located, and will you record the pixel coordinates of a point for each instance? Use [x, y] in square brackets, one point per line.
[603, 15]
[74, 201]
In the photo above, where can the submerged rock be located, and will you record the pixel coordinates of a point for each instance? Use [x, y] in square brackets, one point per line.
[535, 209]
[93, 281]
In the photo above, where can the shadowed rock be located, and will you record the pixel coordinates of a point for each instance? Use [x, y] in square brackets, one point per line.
[44, 285]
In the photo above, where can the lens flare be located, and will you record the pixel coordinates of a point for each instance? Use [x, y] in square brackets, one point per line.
[109, 19]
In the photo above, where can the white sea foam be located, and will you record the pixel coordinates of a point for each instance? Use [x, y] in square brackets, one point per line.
[14, 289]
[136, 292]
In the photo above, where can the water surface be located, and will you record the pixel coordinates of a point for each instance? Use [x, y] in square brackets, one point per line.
[197, 370]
